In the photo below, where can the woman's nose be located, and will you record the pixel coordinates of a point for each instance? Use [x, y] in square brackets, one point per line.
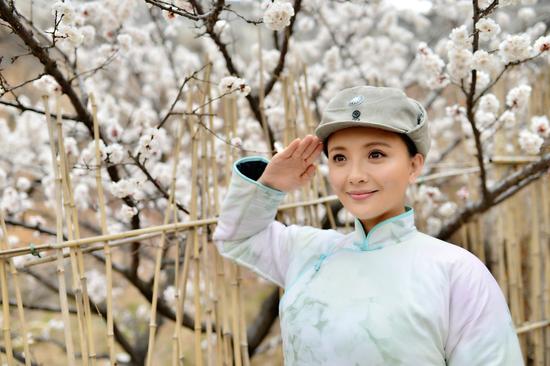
[357, 174]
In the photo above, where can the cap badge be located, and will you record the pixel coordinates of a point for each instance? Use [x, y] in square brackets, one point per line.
[356, 100]
[355, 114]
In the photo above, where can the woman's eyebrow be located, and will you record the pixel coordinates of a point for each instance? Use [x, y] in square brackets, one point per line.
[366, 145]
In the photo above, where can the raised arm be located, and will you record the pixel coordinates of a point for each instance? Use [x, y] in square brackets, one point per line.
[247, 232]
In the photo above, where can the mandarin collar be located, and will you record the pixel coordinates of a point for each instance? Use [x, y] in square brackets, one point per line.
[388, 232]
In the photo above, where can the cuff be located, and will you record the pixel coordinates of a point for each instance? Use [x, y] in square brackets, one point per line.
[251, 168]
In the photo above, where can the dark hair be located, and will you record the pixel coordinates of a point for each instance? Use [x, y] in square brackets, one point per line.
[411, 147]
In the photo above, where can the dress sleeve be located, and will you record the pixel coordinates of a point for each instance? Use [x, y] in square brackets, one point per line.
[481, 330]
[247, 231]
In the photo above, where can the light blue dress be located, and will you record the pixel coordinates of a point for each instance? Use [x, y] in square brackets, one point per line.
[394, 296]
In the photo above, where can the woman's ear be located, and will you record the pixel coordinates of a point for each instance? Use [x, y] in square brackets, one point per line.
[417, 163]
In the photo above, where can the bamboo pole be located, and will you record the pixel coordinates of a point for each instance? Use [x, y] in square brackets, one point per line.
[235, 279]
[535, 291]
[138, 234]
[104, 231]
[242, 321]
[234, 285]
[223, 311]
[17, 289]
[195, 131]
[544, 187]
[312, 186]
[261, 91]
[177, 328]
[75, 271]
[205, 199]
[160, 251]
[59, 228]
[215, 209]
[6, 312]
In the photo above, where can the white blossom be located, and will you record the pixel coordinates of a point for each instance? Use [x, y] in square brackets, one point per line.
[332, 60]
[484, 61]
[508, 119]
[463, 193]
[96, 285]
[11, 200]
[484, 118]
[114, 153]
[489, 103]
[278, 146]
[447, 209]
[457, 113]
[484, 4]
[526, 14]
[82, 196]
[88, 34]
[125, 41]
[429, 193]
[124, 187]
[123, 357]
[540, 125]
[71, 146]
[277, 16]
[487, 28]
[433, 64]
[236, 141]
[530, 142]
[23, 184]
[64, 9]
[150, 142]
[460, 38]
[518, 97]
[125, 213]
[460, 62]
[515, 48]
[47, 85]
[230, 84]
[169, 295]
[434, 225]
[72, 34]
[542, 44]
[56, 324]
[36, 221]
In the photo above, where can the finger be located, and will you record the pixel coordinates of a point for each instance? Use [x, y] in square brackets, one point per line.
[303, 146]
[290, 149]
[311, 147]
[315, 153]
[309, 172]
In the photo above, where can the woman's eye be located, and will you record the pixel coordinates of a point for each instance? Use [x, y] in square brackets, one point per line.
[376, 154]
[338, 158]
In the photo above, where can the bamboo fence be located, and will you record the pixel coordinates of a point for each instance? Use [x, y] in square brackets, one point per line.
[512, 239]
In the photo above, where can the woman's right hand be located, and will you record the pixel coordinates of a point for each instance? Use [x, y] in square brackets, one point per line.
[293, 167]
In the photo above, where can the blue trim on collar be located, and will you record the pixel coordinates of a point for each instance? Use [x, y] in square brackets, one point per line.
[382, 235]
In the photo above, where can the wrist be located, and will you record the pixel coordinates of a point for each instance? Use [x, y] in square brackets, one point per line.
[267, 183]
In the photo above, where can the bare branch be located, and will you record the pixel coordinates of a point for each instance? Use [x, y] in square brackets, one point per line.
[501, 191]
[24, 108]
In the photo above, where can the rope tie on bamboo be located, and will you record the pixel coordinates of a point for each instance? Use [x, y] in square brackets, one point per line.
[34, 251]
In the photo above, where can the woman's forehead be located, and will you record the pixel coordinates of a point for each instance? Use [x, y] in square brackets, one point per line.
[362, 135]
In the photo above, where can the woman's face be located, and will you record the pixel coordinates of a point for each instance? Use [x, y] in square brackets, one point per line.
[369, 171]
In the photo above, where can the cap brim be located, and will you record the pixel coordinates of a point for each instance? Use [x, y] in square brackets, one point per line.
[323, 131]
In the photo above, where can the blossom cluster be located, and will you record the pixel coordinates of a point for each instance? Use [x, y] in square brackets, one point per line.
[278, 14]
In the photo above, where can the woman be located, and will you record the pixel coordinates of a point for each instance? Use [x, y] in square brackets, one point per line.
[385, 294]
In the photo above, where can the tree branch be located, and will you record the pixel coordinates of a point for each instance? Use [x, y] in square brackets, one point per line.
[501, 191]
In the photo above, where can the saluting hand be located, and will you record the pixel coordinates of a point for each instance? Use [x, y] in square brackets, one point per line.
[293, 167]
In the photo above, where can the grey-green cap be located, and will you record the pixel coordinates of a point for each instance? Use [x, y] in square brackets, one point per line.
[380, 107]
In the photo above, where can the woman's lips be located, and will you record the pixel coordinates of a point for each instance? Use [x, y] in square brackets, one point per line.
[361, 196]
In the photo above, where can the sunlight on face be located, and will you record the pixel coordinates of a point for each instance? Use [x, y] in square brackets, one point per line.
[369, 171]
